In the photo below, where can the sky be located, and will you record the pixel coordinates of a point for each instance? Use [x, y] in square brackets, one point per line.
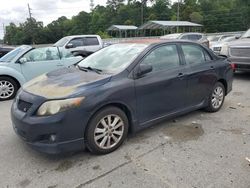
[42, 10]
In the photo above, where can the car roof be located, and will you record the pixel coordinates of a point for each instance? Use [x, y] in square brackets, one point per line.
[194, 33]
[76, 36]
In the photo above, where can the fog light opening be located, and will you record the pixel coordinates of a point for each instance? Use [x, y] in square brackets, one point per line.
[52, 138]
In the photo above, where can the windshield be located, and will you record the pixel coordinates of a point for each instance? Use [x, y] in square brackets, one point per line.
[114, 58]
[12, 54]
[228, 39]
[246, 34]
[61, 42]
[213, 38]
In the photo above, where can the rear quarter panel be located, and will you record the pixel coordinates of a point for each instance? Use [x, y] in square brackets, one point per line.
[225, 72]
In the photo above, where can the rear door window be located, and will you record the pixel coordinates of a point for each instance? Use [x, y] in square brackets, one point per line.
[91, 41]
[77, 42]
[185, 37]
[194, 54]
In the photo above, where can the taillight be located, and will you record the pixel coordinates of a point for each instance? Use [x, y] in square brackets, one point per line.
[232, 66]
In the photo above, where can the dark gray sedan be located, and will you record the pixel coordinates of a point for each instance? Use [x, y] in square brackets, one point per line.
[121, 88]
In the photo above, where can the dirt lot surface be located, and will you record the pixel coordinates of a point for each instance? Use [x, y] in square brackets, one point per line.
[196, 150]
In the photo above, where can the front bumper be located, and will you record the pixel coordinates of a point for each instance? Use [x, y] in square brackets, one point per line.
[67, 128]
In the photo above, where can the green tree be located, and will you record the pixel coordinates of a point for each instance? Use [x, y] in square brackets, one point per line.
[196, 17]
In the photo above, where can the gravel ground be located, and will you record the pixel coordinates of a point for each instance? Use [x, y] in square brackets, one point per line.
[196, 150]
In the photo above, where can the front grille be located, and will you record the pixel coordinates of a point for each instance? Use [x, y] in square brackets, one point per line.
[23, 105]
[240, 52]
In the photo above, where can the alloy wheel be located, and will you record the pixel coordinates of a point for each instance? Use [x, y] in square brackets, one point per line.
[109, 131]
[217, 97]
[6, 89]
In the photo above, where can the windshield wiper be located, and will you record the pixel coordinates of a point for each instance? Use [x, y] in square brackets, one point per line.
[98, 71]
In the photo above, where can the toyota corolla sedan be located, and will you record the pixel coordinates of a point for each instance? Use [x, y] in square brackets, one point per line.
[119, 89]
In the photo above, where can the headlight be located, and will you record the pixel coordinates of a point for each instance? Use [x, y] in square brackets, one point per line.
[56, 106]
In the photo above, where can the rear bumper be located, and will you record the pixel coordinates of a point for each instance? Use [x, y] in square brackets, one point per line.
[242, 67]
[241, 64]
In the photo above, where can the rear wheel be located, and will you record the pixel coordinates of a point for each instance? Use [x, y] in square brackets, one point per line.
[216, 98]
[106, 131]
[8, 88]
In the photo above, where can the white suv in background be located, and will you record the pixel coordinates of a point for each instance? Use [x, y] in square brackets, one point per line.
[83, 45]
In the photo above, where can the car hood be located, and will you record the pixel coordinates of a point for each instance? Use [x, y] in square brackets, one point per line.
[64, 83]
[245, 42]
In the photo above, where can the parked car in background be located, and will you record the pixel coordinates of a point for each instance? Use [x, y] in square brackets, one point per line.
[24, 63]
[126, 86]
[4, 50]
[216, 39]
[83, 45]
[198, 37]
[216, 47]
[238, 52]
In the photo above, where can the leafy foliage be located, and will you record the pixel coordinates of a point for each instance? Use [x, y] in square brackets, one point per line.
[215, 15]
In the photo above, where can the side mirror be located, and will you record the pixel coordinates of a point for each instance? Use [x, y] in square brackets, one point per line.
[23, 60]
[237, 36]
[70, 45]
[143, 69]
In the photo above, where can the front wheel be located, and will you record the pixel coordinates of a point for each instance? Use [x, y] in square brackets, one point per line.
[8, 88]
[216, 98]
[106, 131]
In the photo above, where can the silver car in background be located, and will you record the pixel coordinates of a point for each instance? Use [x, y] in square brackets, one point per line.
[216, 46]
[197, 37]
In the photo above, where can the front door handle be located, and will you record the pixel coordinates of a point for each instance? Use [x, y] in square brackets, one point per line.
[180, 75]
[59, 65]
[211, 67]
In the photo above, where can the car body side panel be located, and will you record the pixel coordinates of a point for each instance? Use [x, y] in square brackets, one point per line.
[12, 72]
[118, 91]
[201, 79]
[160, 93]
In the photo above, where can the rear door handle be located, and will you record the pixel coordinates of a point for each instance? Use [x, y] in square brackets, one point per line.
[211, 67]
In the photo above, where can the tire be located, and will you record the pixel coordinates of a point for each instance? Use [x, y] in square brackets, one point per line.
[101, 136]
[216, 98]
[8, 88]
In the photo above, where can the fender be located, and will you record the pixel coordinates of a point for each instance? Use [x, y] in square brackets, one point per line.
[8, 71]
